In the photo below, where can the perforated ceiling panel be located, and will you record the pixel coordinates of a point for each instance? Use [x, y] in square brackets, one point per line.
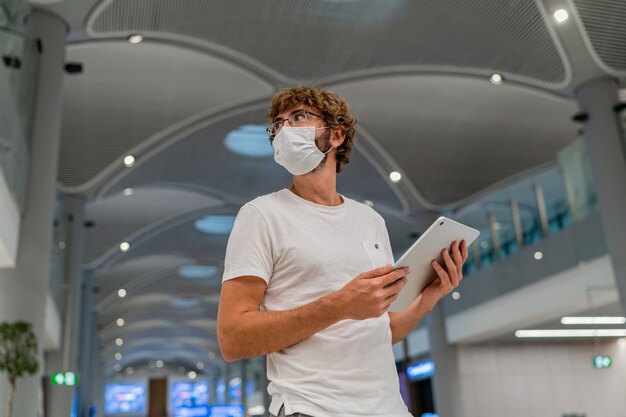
[314, 39]
[201, 159]
[605, 24]
[128, 93]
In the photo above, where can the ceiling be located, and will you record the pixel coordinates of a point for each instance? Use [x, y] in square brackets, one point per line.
[416, 74]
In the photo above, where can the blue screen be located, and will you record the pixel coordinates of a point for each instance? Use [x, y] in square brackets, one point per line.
[189, 399]
[226, 411]
[125, 398]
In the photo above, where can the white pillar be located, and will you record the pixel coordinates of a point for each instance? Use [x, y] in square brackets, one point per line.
[23, 289]
[607, 157]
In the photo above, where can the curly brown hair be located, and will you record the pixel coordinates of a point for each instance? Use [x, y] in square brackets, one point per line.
[331, 106]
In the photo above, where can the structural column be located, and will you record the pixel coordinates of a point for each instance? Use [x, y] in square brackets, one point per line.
[607, 157]
[447, 384]
[24, 289]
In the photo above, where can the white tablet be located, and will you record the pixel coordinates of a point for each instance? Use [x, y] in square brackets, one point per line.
[418, 257]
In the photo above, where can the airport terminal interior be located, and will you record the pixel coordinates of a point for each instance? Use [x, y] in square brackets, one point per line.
[133, 131]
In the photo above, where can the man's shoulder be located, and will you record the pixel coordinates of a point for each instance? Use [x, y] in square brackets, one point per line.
[362, 209]
[266, 202]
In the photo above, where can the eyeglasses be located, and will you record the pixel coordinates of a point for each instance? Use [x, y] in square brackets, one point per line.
[297, 118]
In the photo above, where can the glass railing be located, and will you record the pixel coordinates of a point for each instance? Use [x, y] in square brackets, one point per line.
[18, 71]
[530, 209]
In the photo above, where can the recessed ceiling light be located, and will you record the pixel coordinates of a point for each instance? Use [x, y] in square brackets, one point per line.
[496, 226]
[128, 191]
[561, 15]
[200, 365]
[571, 333]
[159, 363]
[130, 370]
[119, 341]
[184, 302]
[215, 224]
[124, 246]
[121, 293]
[368, 203]
[197, 271]
[593, 320]
[496, 79]
[192, 375]
[117, 367]
[135, 39]
[129, 160]
[484, 244]
[249, 140]
[120, 322]
[212, 355]
[538, 255]
[395, 176]
[118, 356]
[456, 295]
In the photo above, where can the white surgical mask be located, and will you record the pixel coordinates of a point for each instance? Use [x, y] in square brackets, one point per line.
[295, 149]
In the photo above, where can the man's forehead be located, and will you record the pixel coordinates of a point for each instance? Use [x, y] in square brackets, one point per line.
[293, 109]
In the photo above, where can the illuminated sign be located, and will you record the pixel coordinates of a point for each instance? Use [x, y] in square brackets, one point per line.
[424, 369]
[65, 378]
[125, 398]
[601, 362]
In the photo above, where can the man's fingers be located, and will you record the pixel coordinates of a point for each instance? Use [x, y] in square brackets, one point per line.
[393, 276]
[443, 275]
[394, 288]
[451, 267]
[458, 259]
[375, 273]
[464, 250]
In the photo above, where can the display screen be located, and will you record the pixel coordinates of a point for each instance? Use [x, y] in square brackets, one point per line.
[189, 399]
[125, 398]
[226, 411]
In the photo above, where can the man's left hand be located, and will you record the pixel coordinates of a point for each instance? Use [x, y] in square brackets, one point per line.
[449, 275]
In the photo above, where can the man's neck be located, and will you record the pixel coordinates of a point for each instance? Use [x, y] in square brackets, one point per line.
[319, 186]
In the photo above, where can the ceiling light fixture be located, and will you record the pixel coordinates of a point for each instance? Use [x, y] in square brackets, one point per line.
[456, 295]
[192, 375]
[135, 39]
[215, 224]
[121, 293]
[128, 191]
[119, 341]
[570, 333]
[129, 161]
[117, 367]
[395, 176]
[538, 255]
[561, 15]
[197, 271]
[120, 322]
[159, 363]
[249, 140]
[124, 246]
[200, 365]
[496, 79]
[593, 320]
[118, 356]
[368, 203]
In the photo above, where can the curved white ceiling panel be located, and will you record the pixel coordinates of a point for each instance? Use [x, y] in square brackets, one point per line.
[120, 215]
[455, 136]
[313, 39]
[127, 93]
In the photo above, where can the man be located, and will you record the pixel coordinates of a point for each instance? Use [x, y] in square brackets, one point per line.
[308, 277]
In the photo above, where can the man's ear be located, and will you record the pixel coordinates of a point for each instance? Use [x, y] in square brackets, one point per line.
[338, 136]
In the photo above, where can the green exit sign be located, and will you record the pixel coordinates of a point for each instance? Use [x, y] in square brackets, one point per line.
[601, 362]
[65, 378]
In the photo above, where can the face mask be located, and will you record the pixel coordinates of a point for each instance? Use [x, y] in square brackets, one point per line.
[295, 149]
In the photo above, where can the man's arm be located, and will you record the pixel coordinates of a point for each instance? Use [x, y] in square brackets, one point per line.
[243, 331]
[448, 278]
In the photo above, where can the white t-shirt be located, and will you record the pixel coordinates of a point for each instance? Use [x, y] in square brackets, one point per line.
[304, 251]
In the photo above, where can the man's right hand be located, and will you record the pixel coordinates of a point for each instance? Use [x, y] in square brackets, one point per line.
[371, 293]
